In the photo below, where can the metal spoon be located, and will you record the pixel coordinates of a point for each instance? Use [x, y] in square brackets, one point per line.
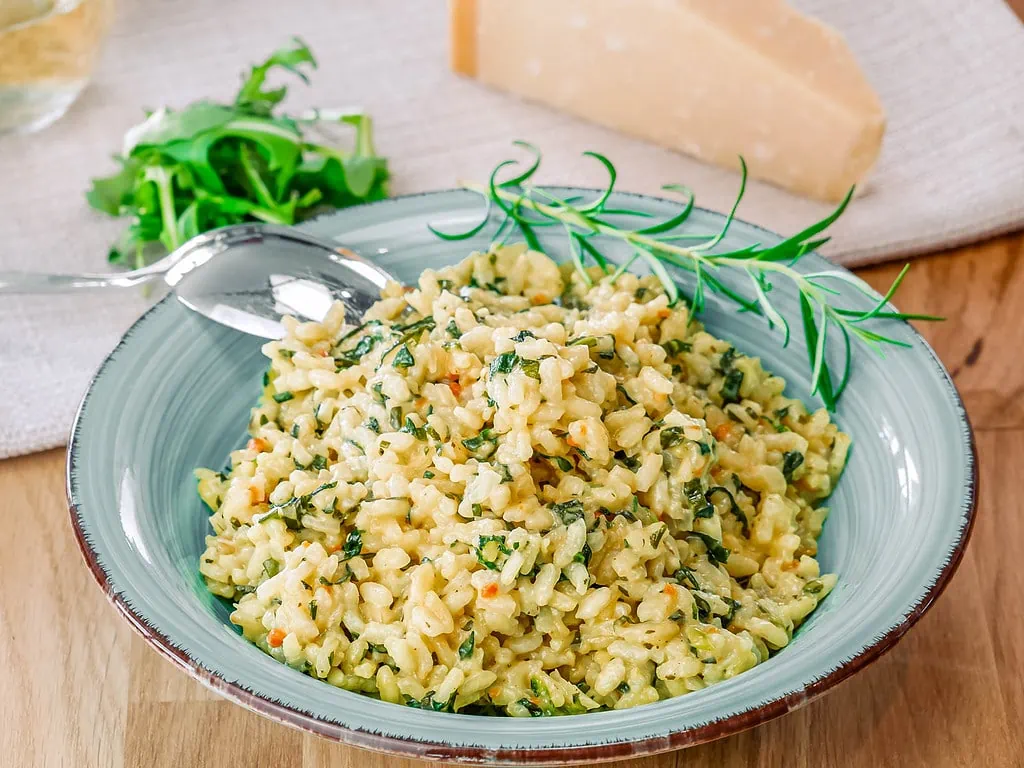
[245, 276]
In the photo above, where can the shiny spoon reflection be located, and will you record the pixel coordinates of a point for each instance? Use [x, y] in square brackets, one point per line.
[245, 276]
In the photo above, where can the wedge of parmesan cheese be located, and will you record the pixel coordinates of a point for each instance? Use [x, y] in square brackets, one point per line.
[712, 78]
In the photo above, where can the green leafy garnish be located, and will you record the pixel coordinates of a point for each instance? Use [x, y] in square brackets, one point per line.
[560, 461]
[716, 552]
[353, 544]
[524, 206]
[404, 358]
[568, 511]
[488, 548]
[504, 363]
[694, 491]
[209, 165]
[483, 445]
[791, 461]
[671, 436]
[466, 649]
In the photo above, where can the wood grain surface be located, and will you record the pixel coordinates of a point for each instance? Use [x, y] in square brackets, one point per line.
[79, 688]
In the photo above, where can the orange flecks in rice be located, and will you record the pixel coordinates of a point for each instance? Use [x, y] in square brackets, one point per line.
[276, 637]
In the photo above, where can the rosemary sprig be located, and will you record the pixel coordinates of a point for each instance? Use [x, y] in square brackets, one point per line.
[524, 207]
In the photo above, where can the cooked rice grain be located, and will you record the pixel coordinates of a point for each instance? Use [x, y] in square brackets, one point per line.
[507, 493]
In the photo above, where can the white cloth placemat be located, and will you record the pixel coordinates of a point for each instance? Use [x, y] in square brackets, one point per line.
[950, 73]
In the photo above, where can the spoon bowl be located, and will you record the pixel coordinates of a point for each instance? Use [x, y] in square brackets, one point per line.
[245, 276]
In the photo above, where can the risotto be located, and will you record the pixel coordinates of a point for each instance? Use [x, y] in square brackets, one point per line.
[505, 492]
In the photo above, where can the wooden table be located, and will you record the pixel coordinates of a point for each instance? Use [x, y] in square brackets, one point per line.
[79, 688]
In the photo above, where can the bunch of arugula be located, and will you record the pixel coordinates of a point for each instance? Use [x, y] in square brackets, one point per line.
[210, 165]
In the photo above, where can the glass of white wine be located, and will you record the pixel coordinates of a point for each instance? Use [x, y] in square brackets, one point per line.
[47, 52]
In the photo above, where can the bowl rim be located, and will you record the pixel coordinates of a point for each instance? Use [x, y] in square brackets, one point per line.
[569, 755]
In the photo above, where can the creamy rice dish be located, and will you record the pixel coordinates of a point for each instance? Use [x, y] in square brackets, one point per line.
[506, 492]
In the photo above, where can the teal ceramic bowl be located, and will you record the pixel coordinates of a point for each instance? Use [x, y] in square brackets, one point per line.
[176, 392]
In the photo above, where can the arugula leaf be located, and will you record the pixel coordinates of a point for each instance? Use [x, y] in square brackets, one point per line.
[208, 165]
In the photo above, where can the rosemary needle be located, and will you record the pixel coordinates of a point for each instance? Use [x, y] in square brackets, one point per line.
[525, 207]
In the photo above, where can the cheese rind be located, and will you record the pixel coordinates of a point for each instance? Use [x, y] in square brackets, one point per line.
[713, 78]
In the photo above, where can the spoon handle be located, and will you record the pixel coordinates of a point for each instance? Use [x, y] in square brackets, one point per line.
[39, 282]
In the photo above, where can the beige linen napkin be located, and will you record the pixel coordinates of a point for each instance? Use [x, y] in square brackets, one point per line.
[950, 73]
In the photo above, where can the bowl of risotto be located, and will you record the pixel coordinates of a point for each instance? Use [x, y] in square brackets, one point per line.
[508, 516]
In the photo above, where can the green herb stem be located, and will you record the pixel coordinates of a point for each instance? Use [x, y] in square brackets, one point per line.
[527, 206]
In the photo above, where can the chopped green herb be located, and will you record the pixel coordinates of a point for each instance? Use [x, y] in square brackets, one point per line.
[584, 555]
[523, 336]
[733, 506]
[312, 609]
[410, 426]
[483, 445]
[466, 649]
[271, 567]
[530, 367]
[686, 575]
[632, 463]
[350, 357]
[728, 358]
[283, 397]
[320, 462]
[504, 363]
[730, 391]
[530, 707]
[353, 544]
[671, 436]
[404, 358]
[734, 605]
[791, 461]
[427, 702]
[568, 511]
[694, 491]
[487, 555]
[716, 552]
[814, 587]
[676, 346]
[428, 475]
[395, 417]
[703, 607]
[425, 324]
[559, 461]
[345, 577]
[373, 425]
